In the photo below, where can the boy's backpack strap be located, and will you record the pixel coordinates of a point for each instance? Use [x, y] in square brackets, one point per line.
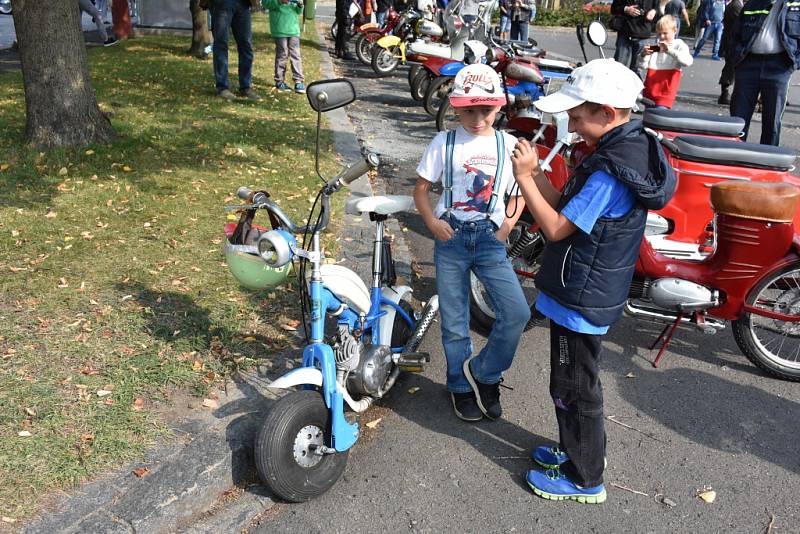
[498, 175]
[448, 170]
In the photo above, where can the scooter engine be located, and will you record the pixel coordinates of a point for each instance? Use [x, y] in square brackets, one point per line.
[346, 350]
[372, 371]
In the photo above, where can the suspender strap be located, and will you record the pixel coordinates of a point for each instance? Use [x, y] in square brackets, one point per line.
[448, 171]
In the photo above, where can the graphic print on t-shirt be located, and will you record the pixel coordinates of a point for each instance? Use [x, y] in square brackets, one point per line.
[479, 190]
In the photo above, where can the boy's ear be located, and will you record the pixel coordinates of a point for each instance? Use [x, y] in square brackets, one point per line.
[610, 113]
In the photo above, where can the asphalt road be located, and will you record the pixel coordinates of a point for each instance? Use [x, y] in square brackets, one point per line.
[705, 418]
[8, 35]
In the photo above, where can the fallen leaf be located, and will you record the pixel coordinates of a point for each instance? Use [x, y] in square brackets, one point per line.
[24, 434]
[5, 518]
[62, 283]
[89, 152]
[62, 171]
[413, 390]
[210, 403]
[30, 411]
[708, 495]
[138, 404]
[249, 339]
[103, 393]
[51, 215]
[87, 437]
[141, 471]
[292, 325]
[630, 375]
[197, 365]
[373, 424]
[125, 168]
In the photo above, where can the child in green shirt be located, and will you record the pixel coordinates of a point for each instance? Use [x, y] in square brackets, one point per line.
[284, 25]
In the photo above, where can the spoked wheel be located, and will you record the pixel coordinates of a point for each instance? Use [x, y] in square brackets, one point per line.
[420, 84]
[438, 91]
[525, 261]
[286, 450]
[412, 71]
[364, 44]
[446, 118]
[385, 60]
[772, 344]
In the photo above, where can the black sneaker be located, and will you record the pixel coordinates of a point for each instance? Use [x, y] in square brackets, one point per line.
[465, 407]
[487, 396]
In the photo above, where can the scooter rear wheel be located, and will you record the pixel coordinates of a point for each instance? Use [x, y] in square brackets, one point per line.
[771, 344]
[438, 91]
[420, 84]
[297, 424]
[385, 60]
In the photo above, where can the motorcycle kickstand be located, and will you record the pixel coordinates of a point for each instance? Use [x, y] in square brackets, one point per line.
[671, 327]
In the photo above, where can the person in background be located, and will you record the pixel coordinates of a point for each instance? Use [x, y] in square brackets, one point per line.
[87, 7]
[522, 13]
[284, 25]
[663, 63]
[342, 22]
[766, 42]
[676, 8]
[638, 17]
[732, 12]
[233, 16]
[711, 18]
[505, 20]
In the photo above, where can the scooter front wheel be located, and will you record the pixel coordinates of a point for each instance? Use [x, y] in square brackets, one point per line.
[771, 344]
[438, 90]
[385, 60]
[287, 454]
[365, 43]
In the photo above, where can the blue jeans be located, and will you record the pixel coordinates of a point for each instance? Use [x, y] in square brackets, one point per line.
[380, 18]
[474, 247]
[233, 15]
[767, 74]
[627, 52]
[519, 30]
[716, 29]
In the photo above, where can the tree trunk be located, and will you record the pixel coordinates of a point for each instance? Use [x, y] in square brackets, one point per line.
[60, 101]
[201, 37]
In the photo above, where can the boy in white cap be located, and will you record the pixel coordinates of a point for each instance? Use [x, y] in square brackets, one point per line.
[470, 225]
[594, 228]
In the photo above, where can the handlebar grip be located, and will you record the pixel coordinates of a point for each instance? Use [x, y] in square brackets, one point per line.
[248, 195]
[370, 161]
[244, 192]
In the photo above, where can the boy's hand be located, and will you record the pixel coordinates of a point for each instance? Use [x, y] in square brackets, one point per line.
[441, 230]
[525, 160]
[502, 234]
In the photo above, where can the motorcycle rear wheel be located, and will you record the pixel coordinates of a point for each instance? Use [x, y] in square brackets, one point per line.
[771, 344]
[526, 265]
[420, 84]
[385, 60]
[446, 118]
[364, 45]
[284, 450]
[412, 71]
[438, 91]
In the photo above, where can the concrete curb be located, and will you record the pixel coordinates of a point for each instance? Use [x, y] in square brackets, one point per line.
[203, 478]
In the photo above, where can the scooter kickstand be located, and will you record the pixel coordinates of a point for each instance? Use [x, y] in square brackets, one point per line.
[668, 339]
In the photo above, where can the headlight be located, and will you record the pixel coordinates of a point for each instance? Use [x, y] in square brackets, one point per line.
[275, 247]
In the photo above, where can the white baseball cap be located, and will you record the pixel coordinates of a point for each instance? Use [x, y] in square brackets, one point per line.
[602, 81]
[477, 85]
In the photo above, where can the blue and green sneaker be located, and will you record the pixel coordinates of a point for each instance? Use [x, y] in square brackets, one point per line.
[554, 485]
[549, 457]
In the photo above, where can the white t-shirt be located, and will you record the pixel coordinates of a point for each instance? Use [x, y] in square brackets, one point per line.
[474, 166]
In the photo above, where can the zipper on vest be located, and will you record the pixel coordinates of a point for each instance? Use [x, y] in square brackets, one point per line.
[564, 266]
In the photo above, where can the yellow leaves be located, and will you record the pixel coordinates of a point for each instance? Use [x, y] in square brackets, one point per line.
[291, 326]
[126, 168]
[4, 167]
[62, 171]
[138, 404]
[51, 215]
[89, 152]
[210, 404]
[62, 283]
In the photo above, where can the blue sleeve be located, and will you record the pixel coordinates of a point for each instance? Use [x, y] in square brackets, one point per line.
[601, 196]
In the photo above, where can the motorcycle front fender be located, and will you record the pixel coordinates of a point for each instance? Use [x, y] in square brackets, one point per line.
[394, 294]
[296, 377]
[388, 41]
[368, 26]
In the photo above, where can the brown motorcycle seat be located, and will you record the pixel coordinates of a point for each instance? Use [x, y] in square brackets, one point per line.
[766, 201]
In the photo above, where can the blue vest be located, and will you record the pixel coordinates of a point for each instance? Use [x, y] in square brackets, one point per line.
[752, 18]
[591, 273]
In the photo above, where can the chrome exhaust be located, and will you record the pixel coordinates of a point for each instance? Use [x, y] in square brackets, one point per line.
[709, 326]
[423, 324]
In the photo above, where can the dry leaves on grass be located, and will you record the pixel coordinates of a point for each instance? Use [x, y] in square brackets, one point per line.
[141, 471]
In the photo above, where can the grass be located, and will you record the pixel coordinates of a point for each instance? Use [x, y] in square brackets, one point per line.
[113, 289]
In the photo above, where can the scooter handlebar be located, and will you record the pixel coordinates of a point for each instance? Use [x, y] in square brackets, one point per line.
[357, 169]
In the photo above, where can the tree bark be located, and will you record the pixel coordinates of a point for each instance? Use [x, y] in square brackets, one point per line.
[201, 37]
[60, 102]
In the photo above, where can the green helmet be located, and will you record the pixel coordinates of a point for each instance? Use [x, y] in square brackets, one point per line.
[250, 270]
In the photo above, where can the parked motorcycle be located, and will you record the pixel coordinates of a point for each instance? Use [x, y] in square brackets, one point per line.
[302, 446]
[368, 35]
[390, 51]
[356, 18]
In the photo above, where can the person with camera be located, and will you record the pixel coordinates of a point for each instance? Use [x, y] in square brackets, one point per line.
[663, 62]
[522, 13]
[284, 25]
[633, 20]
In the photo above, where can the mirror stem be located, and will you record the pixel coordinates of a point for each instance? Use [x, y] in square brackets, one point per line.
[316, 150]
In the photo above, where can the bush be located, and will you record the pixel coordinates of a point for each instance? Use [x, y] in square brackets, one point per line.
[568, 17]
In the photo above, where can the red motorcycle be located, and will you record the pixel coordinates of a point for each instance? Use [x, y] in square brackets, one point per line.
[370, 32]
[751, 278]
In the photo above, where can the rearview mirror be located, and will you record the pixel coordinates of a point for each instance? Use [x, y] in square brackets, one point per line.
[325, 95]
[597, 33]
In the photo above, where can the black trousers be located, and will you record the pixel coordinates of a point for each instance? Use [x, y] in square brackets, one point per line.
[578, 397]
[341, 34]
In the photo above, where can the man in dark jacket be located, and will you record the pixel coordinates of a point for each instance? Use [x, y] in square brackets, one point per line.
[766, 50]
[732, 11]
[233, 16]
[342, 22]
[636, 25]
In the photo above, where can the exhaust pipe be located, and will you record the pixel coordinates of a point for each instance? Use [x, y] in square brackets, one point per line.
[709, 326]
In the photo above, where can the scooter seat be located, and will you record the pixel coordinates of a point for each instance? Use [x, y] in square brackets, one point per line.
[724, 152]
[381, 205]
[690, 122]
[765, 201]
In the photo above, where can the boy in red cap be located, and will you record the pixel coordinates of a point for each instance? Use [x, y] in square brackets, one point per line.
[470, 224]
